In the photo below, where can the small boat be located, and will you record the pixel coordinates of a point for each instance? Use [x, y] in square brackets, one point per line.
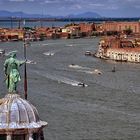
[114, 69]
[74, 66]
[82, 84]
[96, 71]
[88, 53]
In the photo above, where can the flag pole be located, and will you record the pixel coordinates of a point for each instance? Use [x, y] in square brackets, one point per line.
[25, 67]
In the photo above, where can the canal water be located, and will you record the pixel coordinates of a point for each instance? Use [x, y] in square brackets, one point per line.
[107, 109]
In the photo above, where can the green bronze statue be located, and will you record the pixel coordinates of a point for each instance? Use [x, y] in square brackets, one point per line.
[11, 69]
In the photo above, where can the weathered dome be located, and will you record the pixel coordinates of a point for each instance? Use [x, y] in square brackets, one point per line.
[17, 113]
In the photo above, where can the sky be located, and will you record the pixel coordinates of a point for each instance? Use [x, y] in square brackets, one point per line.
[106, 8]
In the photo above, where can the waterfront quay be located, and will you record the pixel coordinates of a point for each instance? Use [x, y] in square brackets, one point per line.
[107, 109]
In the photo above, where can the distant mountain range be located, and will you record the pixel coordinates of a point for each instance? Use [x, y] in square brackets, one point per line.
[85, 15]
[4, 14]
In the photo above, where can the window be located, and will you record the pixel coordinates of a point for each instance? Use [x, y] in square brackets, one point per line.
[119, 27]
[2, 137]
[135, 29]
[35, 136]
[18, 137]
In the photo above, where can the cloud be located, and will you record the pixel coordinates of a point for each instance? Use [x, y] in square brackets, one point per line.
[16, 0]
[51, 1]
[62, 2]
[21, 0]
[96, 4]
[75, 6]
[61, 7]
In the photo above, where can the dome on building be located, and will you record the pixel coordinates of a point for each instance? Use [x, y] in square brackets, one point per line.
[17, 113]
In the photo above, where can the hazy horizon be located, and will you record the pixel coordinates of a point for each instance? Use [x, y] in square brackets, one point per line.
[105, 8]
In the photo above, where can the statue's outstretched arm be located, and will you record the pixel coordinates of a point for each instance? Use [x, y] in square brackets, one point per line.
[21, 62]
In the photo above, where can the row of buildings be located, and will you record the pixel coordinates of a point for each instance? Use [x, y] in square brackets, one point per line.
[42, 33]
[119, 26]
[70, 31]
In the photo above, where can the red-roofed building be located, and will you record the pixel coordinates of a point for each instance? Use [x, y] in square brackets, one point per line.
[119, 49]
[120, 26]
[86, 28]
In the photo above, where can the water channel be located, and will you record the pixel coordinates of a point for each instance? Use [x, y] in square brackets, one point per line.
[107, 109]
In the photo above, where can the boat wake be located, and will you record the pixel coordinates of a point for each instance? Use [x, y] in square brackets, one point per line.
[69, 45]
[30, 62]
[44, 44]
[61, 79]
[85, 69]
[78, 67]
[50, 53]
[49, 44]
[96, 71]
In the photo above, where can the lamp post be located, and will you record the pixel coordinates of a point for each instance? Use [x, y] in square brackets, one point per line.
[25, 67]
[25, 44]
[25, 72]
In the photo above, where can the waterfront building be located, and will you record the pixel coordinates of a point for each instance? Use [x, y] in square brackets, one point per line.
[86, 28]
[73, 31]
[12, 34]
[120, 26]
[119, 49]
[65, 35]
[123, 54]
